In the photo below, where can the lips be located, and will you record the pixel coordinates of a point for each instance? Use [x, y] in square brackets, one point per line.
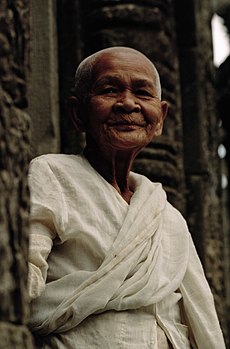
[126, 126]
[126, 123]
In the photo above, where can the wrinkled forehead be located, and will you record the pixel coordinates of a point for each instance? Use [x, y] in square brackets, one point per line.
[130, 61]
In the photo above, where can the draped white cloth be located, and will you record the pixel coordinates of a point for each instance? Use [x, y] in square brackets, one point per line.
[106, 257]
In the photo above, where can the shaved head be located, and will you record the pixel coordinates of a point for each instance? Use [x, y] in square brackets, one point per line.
[84, 75]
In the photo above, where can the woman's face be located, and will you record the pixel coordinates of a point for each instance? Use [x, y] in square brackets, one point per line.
[123, 111]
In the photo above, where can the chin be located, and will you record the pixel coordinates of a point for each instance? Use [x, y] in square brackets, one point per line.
[128, 145]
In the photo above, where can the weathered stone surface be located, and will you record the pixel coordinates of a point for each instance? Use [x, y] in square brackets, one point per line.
[14, 207]
[43, 93]
[70, 54]
[201, 139]
[15, 337]
[222, 91]
[151, 16]
[14, 157]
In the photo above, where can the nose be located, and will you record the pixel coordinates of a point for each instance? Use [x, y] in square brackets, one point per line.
[126, 103]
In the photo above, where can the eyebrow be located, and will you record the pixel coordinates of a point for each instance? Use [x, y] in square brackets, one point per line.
[116, 80]
[144, 82]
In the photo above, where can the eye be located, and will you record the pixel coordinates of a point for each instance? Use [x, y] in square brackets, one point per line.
[109, 90]
[143, 92]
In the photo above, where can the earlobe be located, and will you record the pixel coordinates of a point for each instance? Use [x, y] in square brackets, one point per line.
[159, 127]
[75, 112]
[164, 109]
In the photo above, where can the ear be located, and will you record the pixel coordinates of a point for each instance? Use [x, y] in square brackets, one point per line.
[164, 111]
[75, 110]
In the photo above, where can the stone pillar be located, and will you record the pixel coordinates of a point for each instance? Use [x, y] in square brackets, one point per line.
[222, 92]
[70, 55]
[148, 26]
[14, 157]
[201, 139]
[43, 85]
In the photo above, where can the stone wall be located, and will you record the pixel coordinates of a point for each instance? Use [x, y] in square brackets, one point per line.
[14, 157]
[70, 55]
[43, 86]
[222, 88]
[201, 141]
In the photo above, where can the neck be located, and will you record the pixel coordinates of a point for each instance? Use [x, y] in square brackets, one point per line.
[113, 168]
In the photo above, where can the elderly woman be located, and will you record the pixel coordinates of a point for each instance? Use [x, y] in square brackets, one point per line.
[112, 264]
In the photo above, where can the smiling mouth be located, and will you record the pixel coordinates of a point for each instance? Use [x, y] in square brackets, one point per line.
[126, 123]
[126, 126]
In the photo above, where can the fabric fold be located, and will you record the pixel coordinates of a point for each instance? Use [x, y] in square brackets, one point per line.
[111, 263]
[130, 273]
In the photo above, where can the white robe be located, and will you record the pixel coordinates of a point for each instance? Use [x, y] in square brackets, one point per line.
[116, 271]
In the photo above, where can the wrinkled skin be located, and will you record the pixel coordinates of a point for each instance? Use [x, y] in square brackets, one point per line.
[121, 116]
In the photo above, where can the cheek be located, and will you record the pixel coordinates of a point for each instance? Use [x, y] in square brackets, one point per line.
[100, 106]
[152, 115]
